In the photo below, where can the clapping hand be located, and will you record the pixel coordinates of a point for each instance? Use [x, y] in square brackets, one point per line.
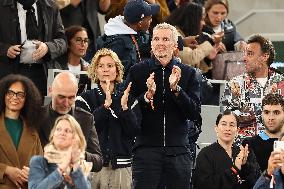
[151, 86]
[76, 151]
[174, 78]
[108, 99]
[124, 98]
[65, 163]
[242, 157]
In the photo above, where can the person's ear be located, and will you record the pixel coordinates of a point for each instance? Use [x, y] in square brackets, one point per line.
[265, 57]
[49, 91]
[216, 129]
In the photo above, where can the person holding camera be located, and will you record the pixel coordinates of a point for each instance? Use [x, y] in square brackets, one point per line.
[273, 120]
[273, 176]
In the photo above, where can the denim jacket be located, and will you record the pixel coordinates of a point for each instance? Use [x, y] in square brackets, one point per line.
[264, 183]
[45, 175]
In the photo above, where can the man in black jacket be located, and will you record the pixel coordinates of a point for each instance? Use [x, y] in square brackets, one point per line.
[169, 94]
[273, 121]
[31, 35]
[63, 93]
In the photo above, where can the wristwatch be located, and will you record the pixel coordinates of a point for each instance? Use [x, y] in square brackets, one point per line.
[177, 89]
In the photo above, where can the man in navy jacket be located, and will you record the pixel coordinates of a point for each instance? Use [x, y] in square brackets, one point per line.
[169, 95]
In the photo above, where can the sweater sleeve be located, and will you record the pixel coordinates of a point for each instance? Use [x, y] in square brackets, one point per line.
[193, 57]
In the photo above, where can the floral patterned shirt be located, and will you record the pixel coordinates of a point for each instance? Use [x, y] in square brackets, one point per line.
[243, 94]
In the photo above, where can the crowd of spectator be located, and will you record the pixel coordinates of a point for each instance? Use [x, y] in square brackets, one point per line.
[132, 121]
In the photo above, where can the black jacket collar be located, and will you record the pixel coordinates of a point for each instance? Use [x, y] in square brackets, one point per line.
[157, 65]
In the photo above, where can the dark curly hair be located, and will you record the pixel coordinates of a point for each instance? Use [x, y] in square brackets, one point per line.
[273, 99]
[32, 108]
[265, 45]
[187, 18]
[227, 112]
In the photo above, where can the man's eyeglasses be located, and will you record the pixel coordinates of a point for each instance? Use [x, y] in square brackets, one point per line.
[79, 40]
[19, 95]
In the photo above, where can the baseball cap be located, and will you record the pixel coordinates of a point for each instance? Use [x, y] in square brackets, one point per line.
[135, 10]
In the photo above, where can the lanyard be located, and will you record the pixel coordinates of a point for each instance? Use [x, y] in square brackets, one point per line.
[136, 46]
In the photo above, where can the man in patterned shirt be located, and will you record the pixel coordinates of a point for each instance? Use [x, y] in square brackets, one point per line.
[243, 94]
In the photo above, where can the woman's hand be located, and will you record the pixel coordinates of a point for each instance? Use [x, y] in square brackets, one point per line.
[124, 98]
[242, 157]
[221, 47]
[217, 37]
[14, 175]
[76, 152]
[66, 161]
[25, 173]
[108, 99]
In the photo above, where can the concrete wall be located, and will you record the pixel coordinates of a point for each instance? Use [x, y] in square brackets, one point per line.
[269, 24]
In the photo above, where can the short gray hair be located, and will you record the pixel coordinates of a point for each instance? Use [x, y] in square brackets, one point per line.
[170, 27]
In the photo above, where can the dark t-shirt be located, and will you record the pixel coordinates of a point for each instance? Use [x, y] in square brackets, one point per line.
[261, 148]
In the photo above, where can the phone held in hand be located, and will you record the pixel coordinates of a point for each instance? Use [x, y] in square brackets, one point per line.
[278, 146]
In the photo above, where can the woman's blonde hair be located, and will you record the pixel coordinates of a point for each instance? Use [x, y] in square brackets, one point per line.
[75, 126]
[95, 61]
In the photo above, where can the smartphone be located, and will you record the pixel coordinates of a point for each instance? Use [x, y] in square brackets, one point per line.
[278, 146]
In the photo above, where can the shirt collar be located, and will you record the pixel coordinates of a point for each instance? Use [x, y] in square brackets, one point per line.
[263, 135]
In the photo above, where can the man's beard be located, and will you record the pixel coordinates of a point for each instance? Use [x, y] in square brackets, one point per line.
[276, 129]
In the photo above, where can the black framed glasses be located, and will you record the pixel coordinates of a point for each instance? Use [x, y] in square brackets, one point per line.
[79, 40]
[19, 95]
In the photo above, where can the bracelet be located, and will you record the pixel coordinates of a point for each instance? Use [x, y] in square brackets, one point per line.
[177, 89]
[234, 170]
[240, 181]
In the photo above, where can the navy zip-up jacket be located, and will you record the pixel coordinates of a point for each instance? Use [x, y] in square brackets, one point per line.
[165, 125]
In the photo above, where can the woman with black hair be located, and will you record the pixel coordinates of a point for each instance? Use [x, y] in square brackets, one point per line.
[78, 42]
[223, 164]
[20, 103]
